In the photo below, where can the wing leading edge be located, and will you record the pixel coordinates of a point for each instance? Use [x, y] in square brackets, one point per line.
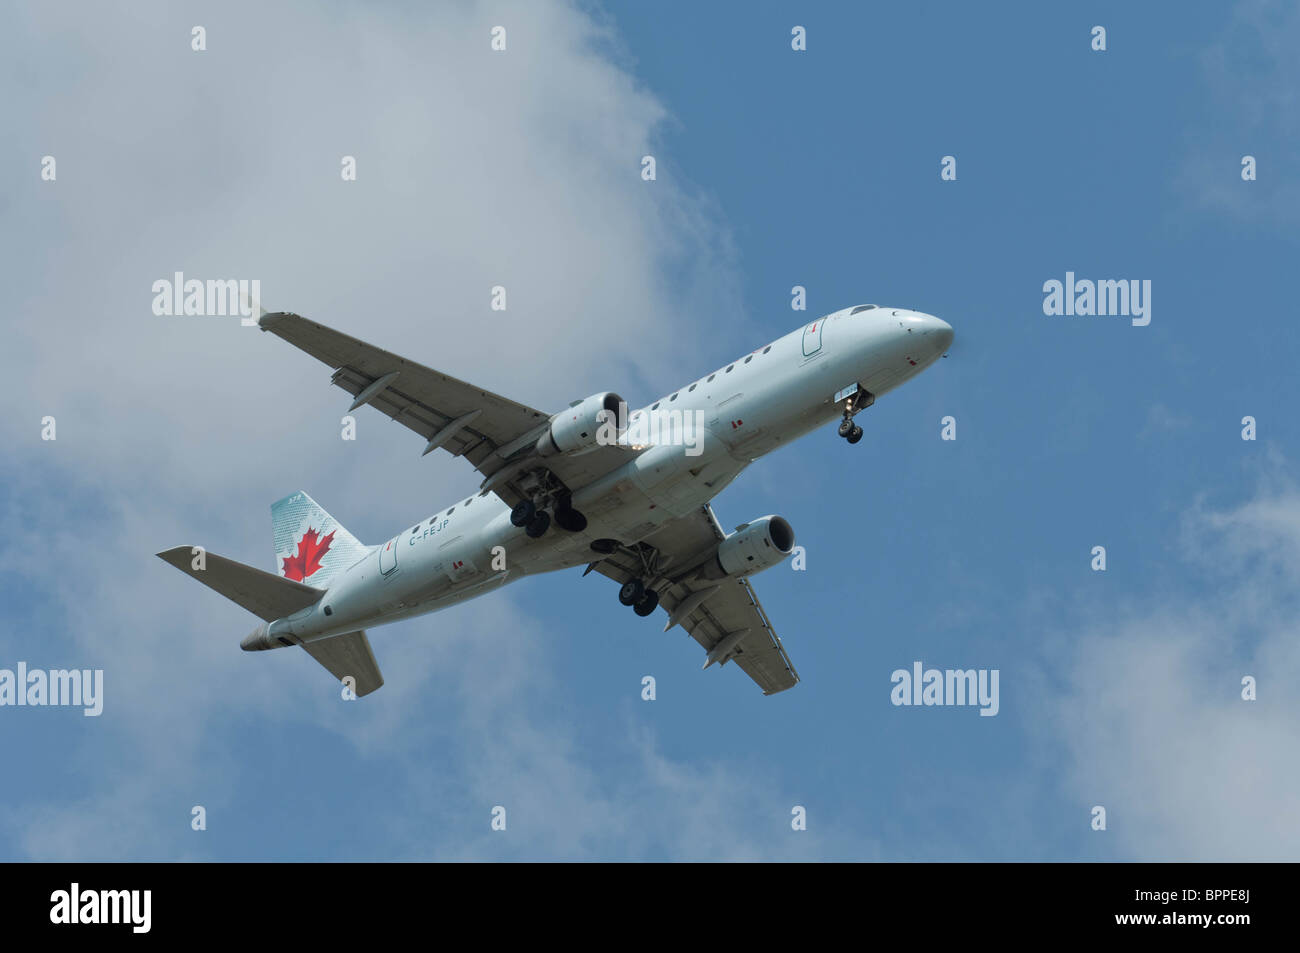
[491, 431]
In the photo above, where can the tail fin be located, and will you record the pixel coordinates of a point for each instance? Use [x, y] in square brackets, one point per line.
[310, 545]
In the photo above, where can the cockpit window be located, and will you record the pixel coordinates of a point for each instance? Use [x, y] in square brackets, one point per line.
[861, 307]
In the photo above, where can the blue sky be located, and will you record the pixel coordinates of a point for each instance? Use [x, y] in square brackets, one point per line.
[775, 168]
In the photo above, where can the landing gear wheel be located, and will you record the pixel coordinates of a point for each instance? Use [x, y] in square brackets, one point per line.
[567, 518]
[854, 435]
[523, 513]
[648, 604]
[539, 525]
[633, 591]
[604, 546]
[846, 426]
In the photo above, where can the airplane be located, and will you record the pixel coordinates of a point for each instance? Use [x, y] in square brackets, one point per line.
[626, 495]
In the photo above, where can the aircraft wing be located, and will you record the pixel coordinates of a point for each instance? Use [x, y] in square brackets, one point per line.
[729, 613]
[467, 421]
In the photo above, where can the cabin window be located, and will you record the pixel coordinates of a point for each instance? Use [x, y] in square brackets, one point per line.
[672, 398]
[452, 510]
[710, 380]
[748, 359]
[691, 388]
[329, 611]
[766, 349]
[656, 406]
[416, 527]
[729, 368]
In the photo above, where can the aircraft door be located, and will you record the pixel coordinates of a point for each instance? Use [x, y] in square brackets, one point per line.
[388, 557]
[812, 338]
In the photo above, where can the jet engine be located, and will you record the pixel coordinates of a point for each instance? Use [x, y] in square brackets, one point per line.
[576, 429]
[752, 548]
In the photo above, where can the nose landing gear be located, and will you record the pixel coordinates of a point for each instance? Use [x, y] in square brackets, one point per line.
[854, 398]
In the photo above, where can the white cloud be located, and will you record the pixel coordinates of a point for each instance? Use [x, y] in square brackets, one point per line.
[475, 169]
[1152, 720]
[1253, 80]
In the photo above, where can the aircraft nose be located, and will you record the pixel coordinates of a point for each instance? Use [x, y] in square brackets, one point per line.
[942, 331]
[936, 332]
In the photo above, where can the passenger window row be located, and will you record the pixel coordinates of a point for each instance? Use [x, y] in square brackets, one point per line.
[709, 379]
[434, 519]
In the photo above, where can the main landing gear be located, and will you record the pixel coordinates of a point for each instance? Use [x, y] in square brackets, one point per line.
[636, 592]
[566, 517]
[642, 600]
[535, 522]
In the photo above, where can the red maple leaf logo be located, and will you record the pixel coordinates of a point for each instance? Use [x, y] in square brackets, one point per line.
[311, 550]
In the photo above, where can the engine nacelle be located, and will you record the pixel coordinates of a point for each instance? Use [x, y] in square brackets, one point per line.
[575, 429]
[752, 548]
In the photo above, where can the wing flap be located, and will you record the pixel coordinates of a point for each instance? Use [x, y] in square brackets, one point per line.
[759, 653]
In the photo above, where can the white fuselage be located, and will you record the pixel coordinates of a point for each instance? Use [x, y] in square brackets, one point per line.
[760, 402]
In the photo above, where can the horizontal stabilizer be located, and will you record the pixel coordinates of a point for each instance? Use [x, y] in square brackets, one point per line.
[265, 594]
[348, 655]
